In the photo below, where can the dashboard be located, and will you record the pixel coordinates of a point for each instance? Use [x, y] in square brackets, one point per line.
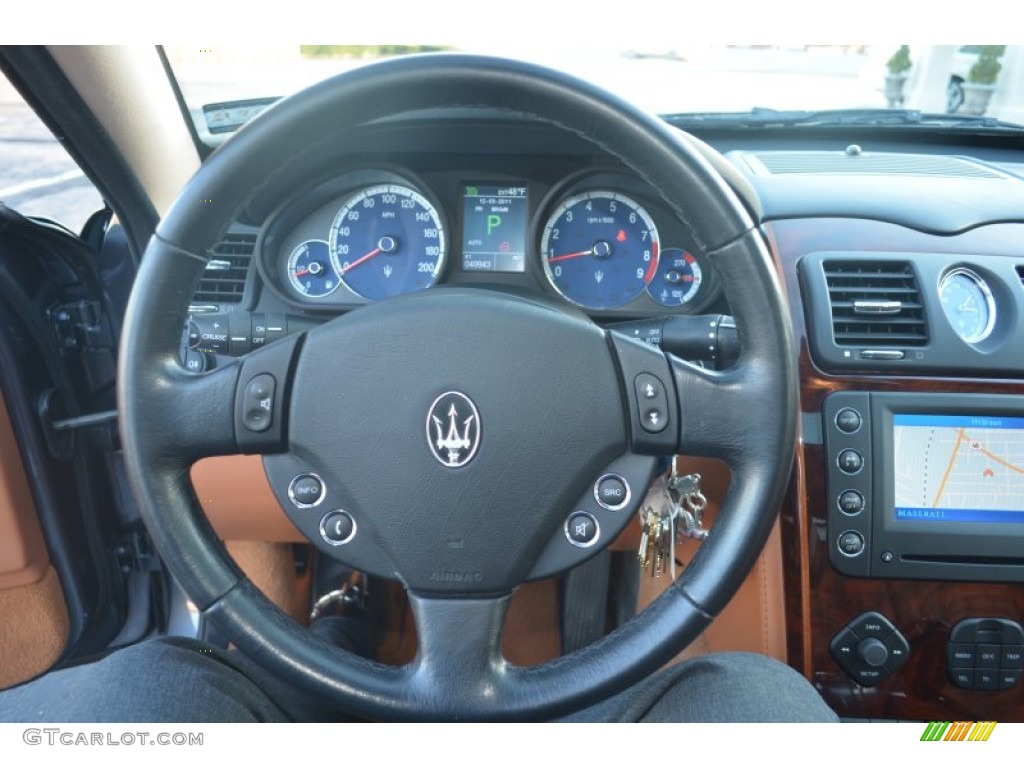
[903, 264]
[596, 238]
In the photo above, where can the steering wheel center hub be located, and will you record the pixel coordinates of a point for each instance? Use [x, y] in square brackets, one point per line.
[444, 424]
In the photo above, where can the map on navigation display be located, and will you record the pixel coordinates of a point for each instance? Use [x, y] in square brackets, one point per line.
[959, 468]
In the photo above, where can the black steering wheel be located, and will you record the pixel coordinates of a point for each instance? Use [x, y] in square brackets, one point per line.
[551, 401]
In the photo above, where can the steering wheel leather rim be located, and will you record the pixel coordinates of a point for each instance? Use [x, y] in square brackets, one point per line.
[745, 415]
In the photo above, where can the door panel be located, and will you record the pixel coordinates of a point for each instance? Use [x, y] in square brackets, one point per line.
[34, 630]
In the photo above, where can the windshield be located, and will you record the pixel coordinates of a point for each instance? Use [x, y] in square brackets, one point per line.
[939, 79]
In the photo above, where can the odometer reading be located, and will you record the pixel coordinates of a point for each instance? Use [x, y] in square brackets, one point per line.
[387, 240]
[600, 249]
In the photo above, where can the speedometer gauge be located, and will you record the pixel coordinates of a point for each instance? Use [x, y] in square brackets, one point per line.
[968, 303]
[386, 240]
[599, 249]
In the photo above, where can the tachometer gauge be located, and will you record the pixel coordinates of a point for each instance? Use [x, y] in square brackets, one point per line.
[599, 249]
[967, 301]
[677, 280]
[386, 240]
[310, 271]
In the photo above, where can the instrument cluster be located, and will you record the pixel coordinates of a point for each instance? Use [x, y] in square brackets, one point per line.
[601, 240]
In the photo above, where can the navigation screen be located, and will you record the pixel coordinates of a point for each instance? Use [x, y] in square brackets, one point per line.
[494, 228]
[959, 468]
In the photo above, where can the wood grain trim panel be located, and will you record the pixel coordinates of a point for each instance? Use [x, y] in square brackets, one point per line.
[23, 555]
[819, 600]
[239, 502]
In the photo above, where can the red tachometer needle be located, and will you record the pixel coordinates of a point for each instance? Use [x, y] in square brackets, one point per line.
[360, 260]
[576, 255]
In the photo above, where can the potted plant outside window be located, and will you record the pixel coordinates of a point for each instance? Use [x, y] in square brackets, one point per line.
[982, 78]
[898, 66]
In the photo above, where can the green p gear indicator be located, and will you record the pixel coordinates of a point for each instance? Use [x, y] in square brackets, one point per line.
[494, 222]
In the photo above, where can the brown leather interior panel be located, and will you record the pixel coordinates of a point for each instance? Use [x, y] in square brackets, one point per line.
[271, 568]
[238, 500]
[754, 620]
[33, 628]
[23, 556]
[532, 633]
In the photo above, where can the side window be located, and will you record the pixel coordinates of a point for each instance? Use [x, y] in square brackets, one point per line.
[37, 176]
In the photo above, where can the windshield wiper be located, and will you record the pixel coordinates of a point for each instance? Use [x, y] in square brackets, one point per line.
[764, 117]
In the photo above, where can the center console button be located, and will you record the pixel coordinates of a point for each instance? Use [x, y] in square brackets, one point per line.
[873, 652]
[960, 655]
[848, 421]
[1008, 680]
[962, 678]
[988, 657]
[986, 680]
[1010, 657]
[851, 543]
[850, 461]
[851, 502]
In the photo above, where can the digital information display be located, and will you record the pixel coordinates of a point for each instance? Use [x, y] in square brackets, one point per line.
[494, 220]
[959, 468]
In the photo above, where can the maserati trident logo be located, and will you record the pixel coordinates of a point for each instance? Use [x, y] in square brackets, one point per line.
[453, 429]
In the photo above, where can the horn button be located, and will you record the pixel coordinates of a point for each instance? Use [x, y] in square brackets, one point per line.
[458, 437]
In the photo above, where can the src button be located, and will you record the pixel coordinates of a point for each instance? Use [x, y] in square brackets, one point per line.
[611, 492]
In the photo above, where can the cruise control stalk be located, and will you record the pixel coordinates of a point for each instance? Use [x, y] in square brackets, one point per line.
[709, 341]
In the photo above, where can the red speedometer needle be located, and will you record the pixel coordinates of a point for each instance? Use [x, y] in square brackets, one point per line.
[360, 260]
[576, 255]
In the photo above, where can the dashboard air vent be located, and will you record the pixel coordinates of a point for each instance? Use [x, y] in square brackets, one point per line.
[223, 282]
[873, 163]
[875, 303]
[1020, 273]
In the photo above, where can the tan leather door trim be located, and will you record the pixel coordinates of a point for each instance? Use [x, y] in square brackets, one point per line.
[755, 619]
[23, 556]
